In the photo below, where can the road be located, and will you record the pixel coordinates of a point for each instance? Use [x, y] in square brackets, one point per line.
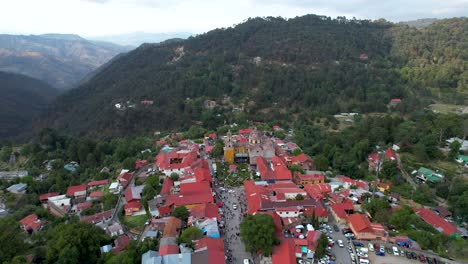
[234, 247]
[341, 254]
[408, 177]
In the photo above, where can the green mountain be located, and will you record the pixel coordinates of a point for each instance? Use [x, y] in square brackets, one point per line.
[60, 60]
[268, 69]
[23, 99]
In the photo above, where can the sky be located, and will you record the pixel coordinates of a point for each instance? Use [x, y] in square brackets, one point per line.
[111, 17]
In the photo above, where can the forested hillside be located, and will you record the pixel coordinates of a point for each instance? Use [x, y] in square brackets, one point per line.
[268, 69]
[22, 98]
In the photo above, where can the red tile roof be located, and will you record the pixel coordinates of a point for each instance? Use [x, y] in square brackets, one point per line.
[74, 189]
[167, 186]
[245, 131]
[124, 178]
[133, 205]
[203, 174]
[319, 188]
[282, 173]
[179, 199]
[120, 243]
[82, 206]
[360, 223]
[175, 159]
[436, 221]
[253, 197]
[97, 183]
[319, 211]
[359, 183]
[284, 253]
[341, 208]
[172, 227]
[312, 239]
[97, 217]
[207, 210]
[31, 222]
[195, 188]
[96, 194]
[168, 250]
[46, 196]
[215, 247]
[310, 177]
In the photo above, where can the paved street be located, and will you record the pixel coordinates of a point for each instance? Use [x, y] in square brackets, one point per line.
[235, 250]
[341, 254]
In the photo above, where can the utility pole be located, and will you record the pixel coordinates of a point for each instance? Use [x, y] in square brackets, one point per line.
[379, 163]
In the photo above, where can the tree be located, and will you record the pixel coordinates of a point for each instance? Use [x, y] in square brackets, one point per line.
[389, 170]
[376, 206]
[258, 233]
[322, 245]
[424, 195]
[181, 212]
[321, 162]
[11, 239]
[75, 243]
[189, 234]
[299, 197]
[174, 176]
[454, 149]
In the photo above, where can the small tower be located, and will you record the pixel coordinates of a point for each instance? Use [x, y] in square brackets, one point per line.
[229, 149]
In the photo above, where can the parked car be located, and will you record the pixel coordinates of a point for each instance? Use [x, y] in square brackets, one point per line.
[335, 227]
[234, 206]
[358, 244]
[395, 251]
[414, 255]
[376, 247]
[371, 247]
[380, 253]
[408, 255]
[422, 258]
[382, 249]
[389, 250]
[429, 260]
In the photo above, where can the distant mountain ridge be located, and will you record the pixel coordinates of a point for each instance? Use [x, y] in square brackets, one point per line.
[137, 38]
[61, 60]
[22, 99]
[419, 23]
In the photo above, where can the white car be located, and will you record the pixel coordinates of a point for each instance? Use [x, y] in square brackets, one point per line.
[371, 247]
[340, 243]
[234, 206]
[395, 251]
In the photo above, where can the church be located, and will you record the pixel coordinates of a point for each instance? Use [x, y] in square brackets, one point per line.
[246, 149]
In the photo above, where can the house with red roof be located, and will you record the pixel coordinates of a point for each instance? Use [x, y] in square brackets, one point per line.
[203, 211]
[320, 213]
[394, 102]
[363, 229]
[245, 131]
[124, 178]
[277, 171]
[77, 191]
[95, 196]
[340, 211]
[44, 197]
[168, 243]
[120, 243]
[140, 164]
[203, 174]
[133, 193]
[176, 161]
[317, 191]
[209, 250]
[374, 158]
[97, 218]
[167, 186]
[437, 221]
[132, 207]
[284, 253]
[189, 201]
[302, 160]
[312, 177]
[99, 183]
[31, 223]
[82, 206]
[348, 182]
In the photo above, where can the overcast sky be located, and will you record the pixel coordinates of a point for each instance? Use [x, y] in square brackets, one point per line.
[106, 17]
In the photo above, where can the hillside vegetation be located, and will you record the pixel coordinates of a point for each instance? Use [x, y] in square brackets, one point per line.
[22, 99]
[268, 69]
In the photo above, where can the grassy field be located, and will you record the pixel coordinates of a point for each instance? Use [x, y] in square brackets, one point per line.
[135, 222]
[449, 108]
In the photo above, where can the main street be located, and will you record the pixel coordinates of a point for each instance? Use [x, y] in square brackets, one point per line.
[234, 247]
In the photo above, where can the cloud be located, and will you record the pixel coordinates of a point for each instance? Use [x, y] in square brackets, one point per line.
[107, 17]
